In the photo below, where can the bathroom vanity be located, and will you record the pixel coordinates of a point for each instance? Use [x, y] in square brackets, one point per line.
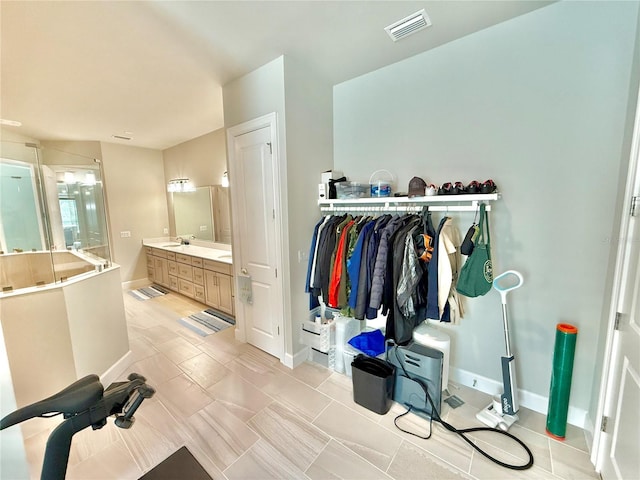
[202, 273]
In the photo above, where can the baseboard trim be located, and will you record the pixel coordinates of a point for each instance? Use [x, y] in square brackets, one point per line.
[133, 284]
[117, 369]
[292, 361]
[533, 401]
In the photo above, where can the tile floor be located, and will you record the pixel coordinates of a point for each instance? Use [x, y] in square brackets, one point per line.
[244, 415]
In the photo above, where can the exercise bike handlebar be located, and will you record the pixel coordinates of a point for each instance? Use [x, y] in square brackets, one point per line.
[83, 403]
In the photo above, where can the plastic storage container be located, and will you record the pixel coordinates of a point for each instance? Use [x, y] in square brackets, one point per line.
[373, 382]
[319, 336]
[349, 354]
[380, 183]
[351, 190]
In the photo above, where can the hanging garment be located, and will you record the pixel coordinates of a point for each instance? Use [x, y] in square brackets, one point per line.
[364, 280]
[313, 301]
[410, 275]
[353, 269]
[380, 266]
[388, 287]
[448, 268]
[313, 260]
[337, 278]
[399, 326]
[323, 264]
[433, 308]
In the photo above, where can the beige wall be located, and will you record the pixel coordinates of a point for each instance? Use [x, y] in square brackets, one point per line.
[58, 152]
[135, 188]
[203, 160]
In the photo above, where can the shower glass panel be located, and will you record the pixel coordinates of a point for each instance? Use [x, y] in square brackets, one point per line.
[50, 201]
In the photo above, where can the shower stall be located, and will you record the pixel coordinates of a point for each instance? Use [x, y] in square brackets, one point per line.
[53, 222]
[61, 305]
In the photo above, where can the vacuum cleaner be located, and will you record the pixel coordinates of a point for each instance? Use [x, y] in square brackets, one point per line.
[503, 410]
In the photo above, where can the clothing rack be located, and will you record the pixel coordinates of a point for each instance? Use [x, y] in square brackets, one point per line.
[436, 203]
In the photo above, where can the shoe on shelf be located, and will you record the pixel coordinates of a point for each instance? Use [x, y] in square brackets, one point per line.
[473, 187]
[459, 188]
[488, 187]
[445, 189]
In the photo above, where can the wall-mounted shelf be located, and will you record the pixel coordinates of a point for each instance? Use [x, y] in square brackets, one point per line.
[436, 203]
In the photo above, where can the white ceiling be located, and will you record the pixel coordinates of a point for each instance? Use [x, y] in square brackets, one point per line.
[88, 70]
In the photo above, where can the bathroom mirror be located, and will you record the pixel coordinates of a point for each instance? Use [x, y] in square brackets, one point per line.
[203, 214]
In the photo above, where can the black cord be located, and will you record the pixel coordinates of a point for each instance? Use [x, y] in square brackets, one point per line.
[435, 415]
[409, 408]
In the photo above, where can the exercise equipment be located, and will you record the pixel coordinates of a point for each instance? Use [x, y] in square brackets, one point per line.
[502, 412]
[83, 403]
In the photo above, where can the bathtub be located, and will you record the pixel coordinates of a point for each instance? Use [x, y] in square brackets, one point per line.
[56, 333]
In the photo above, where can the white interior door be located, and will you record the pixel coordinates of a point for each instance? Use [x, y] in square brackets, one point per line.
[620, 441]
[253, 179]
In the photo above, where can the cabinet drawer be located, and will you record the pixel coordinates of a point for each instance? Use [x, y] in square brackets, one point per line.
[180, 258]
[149, 261]
[173, 267]
[217, 266]
[185, 287]
[149, 250]
[198, 293]
[196, 261]
[173, 282]
[159, 253]
[198, 276]
[171, 256]
[185, 271]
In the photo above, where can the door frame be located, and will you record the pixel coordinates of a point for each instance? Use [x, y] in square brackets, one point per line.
[607, 392]
[269, 120]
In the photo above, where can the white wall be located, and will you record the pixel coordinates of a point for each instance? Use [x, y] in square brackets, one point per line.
[136, 193]
[538, 104]
[303, 105]
[309, 112]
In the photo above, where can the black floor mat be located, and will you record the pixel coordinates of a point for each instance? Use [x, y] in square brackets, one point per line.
[180, 465]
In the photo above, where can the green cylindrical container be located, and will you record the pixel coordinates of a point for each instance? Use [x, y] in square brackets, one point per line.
[563, 355]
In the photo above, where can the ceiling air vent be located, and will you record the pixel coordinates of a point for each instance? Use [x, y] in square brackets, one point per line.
[121, 137]
[408, 25]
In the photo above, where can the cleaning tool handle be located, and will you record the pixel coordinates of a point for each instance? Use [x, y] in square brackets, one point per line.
[563, 356]
[505, 287]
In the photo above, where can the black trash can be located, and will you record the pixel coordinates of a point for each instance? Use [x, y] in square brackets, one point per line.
[373, 381]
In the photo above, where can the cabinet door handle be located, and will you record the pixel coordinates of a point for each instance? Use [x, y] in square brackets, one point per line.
[244, 271]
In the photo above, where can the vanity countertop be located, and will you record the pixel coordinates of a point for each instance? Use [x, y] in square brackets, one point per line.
[215, 254]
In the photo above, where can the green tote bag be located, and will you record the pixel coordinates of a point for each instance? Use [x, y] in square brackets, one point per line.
[476, 275]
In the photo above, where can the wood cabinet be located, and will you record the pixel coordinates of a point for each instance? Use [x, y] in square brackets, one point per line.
[204, 280]
[218, 281]
[219, 291]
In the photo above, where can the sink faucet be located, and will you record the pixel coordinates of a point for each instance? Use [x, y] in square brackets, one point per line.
[185, 241]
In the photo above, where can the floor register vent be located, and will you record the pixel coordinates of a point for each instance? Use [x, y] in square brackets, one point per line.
[408, 25]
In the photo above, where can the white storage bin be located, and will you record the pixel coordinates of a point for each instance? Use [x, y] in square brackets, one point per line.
[326, 359]
[321, 337]
[349, 353]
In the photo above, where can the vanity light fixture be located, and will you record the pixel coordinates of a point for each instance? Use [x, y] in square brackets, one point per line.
[225, 180]
[90, 178]
[69, 177]
[180, 185]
